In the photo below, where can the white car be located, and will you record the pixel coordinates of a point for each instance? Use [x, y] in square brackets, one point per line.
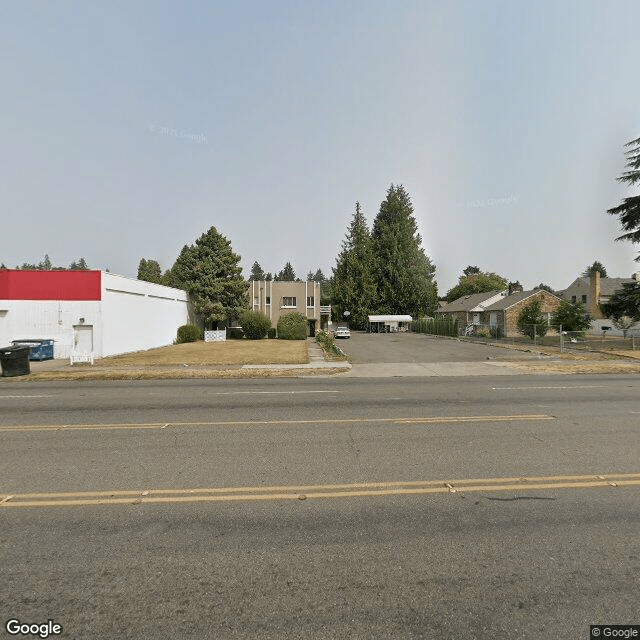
[342, 332]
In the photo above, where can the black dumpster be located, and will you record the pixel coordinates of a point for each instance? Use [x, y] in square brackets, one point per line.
[15, 361]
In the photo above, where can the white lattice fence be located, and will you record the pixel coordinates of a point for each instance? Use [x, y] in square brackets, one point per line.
[219, 335]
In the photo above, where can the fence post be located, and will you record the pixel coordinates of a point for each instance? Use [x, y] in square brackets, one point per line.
[561, 340]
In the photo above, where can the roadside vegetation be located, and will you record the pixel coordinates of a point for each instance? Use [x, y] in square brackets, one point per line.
[328, 344]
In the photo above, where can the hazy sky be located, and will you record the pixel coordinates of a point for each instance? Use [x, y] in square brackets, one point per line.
[128, 128]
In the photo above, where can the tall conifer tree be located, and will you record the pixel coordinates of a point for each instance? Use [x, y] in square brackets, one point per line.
[404, 274]
[354, 287]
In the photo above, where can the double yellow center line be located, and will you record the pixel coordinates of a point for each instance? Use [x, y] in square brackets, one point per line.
[319, 491]
[266, 423]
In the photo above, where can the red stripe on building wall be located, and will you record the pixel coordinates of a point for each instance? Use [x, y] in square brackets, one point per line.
[50, 285]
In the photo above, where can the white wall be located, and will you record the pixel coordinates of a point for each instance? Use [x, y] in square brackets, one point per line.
[139, 315]
[48, 319]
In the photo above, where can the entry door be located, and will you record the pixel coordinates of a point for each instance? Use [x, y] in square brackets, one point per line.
[83, 338]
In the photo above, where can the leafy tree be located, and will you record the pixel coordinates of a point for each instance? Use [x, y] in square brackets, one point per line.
[477, 283]
[531, 322]
[353, 286]
[404, 275]
[3, 266]
[256, 271]
[572, 316]
[596, 266]
[268, 277]
[624, 302]
[287, 274]
[545, 287]
[210, 273]
[27, 266]
[149, 271]
[470, 271]
[629, 210]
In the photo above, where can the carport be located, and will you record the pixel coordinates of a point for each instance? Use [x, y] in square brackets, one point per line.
[389, 323]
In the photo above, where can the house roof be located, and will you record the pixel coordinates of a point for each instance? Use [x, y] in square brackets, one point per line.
[516, 297]
[468, 303]
[608, 286]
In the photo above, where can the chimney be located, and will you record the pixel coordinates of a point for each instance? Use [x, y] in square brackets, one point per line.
[594, 295]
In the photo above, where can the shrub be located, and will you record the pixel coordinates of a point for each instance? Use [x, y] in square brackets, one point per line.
[235, 333]
[188, 333]
[271, 334]
[255, 325]
[328, 344]
[292, 326]
[483, 333]
[438, 327]
[531, 322]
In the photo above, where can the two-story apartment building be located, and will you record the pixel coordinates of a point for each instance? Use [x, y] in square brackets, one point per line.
[274, 298]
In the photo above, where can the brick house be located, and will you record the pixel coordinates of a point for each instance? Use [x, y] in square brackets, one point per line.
[468, 309]
[275, 298]
[504, 312]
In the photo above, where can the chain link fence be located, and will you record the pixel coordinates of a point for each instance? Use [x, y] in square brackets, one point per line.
[532, 335]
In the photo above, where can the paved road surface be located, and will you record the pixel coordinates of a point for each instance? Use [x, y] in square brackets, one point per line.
[542, 560]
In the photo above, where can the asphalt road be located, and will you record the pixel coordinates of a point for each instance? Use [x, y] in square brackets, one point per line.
[275, 528]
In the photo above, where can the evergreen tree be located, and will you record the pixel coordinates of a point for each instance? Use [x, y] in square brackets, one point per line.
[545, 287]
[596, 266]
[629, 210]
[318, 276]
[149, 271]
[46, 264]
[309, 276]
[287, 274]
[269, 277]
[81, 265]
[210, 272]
[403, 272]
[256, 272]
[354, 286]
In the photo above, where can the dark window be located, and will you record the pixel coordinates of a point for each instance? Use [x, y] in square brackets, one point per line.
[573, 298]
[268, 299]
[584, 299]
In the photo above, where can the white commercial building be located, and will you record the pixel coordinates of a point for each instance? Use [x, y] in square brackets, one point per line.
[89, 312]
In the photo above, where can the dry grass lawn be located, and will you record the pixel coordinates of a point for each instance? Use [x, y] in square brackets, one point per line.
[230, 352]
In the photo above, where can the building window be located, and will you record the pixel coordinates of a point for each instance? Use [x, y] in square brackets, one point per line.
[573, 298]
[310, 301]
[289, 301]
[584, 299]
[493, 317]
[268, 299]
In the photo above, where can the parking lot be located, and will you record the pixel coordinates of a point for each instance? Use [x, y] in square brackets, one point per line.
[370, 348]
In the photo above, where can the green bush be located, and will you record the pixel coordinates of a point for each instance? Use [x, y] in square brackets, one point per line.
[292, 326]
[255, 325]
[496, 331]
[235, 333]
[271, 334]
[188, 333]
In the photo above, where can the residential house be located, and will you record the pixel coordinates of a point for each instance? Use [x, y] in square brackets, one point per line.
[503, 313]
[593, 291]
[275, 298]
[468, 309]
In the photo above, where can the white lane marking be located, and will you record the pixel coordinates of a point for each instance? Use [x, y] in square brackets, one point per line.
[30, 396]
[253, 393]
[592, 386]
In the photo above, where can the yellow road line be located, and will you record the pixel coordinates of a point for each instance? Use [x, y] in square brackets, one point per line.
[266, 423]
[318, 491]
